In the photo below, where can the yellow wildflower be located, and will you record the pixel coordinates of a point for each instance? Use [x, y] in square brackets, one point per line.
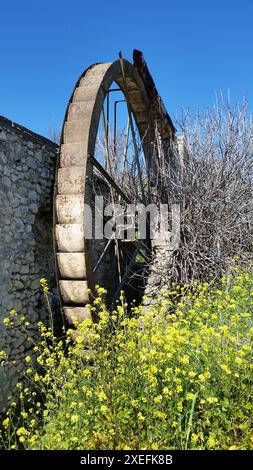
[6, 422]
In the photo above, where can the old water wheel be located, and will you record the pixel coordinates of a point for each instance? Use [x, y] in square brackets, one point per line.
[107, 149]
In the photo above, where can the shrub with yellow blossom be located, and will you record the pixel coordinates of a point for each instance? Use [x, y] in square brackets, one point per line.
[144, 381]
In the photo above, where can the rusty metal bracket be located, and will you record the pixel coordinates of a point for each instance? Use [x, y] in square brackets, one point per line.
[161, 116]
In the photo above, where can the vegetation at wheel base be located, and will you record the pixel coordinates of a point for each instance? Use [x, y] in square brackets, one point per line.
[153, 381]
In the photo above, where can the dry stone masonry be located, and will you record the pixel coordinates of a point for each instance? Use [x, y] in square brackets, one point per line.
[27, 167]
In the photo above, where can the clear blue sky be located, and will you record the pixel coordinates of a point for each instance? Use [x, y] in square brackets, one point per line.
[194, 49]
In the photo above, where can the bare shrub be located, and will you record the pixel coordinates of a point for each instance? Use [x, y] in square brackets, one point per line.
[212, 179]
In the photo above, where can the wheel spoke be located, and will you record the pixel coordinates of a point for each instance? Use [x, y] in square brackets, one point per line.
[104, 253]
[109, 179]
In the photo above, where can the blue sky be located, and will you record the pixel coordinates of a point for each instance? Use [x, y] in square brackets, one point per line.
[194, 49]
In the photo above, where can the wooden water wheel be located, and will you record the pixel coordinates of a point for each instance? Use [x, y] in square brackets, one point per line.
[106, 150]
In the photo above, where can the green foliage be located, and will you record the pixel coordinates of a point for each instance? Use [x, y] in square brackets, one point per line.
[153, 381]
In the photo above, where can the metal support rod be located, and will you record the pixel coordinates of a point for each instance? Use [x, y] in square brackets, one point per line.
[126, 147]
[107, 150]
[115, 127]
[107, 116]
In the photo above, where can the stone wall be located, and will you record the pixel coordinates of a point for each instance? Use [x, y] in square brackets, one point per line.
[27, 167]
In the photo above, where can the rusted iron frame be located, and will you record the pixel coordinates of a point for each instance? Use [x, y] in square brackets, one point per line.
[132, 126]
[109, 164]
[108, 108]
[115, 127]
[117, 248]
[115, 121]
[158, 107]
